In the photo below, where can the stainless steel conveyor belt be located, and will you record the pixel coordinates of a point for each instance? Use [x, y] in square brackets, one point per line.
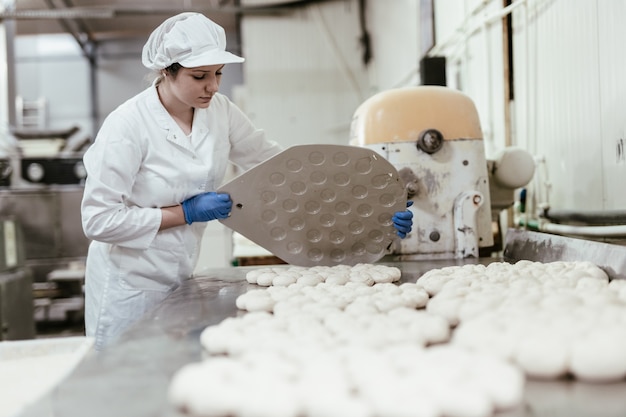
[131, 378]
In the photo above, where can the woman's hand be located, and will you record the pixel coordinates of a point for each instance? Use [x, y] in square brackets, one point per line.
[207, 206]
[403, 221]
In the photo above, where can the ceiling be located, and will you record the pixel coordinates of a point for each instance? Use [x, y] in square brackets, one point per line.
[103, 20]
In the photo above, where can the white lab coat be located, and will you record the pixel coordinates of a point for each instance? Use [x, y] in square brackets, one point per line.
[141, 161]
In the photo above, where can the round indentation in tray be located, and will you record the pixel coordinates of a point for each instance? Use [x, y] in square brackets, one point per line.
[319, 205]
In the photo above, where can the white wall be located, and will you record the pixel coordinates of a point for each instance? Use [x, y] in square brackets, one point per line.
[568, 56]
[612, 100]
[304, 74]
[569, 100]
[53, 67]
[559, 118]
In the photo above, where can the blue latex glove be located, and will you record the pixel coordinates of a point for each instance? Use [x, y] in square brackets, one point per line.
[207, 206]
[403, 221]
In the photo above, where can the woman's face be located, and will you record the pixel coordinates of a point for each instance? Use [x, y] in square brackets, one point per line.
[196, 86]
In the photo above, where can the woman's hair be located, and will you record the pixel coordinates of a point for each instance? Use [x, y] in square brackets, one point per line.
[173, 69]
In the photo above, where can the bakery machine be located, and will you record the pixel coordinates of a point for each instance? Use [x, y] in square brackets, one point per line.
[41, 189]
[432, 135]
[16, 296]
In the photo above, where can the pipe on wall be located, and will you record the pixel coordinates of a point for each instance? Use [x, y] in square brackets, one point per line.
[595, 231]
[614, 231]
[606, 217]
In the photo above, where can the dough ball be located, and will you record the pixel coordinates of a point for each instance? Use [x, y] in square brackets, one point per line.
[207, 396]
[240, 302]
[435, 329]
[258, 300]
[466, 400]
[446, 307]
[337, 279]
[362, 277]
[433, 282]
[594, 271]
[182, 384]
[384, 276]
[503, 382]
[394, 272]
[266, 278]
[599, 356]
[617, 284]
[589, 283]
[218, 340]
[285, 279]
[267, 397]
[308, 279]
[543, 356]
[252, 276]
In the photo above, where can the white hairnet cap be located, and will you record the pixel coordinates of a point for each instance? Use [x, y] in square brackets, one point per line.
[191, 39]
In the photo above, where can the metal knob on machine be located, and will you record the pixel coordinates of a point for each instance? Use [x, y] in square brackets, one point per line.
[430, 141]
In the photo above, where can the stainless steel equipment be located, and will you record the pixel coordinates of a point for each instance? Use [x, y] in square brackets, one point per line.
[55, 249]
[545, 247]
[50, 219]
[16, 294]
[319, 205]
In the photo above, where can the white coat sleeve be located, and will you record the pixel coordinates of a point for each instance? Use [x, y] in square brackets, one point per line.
[112, 163]
[249, 146]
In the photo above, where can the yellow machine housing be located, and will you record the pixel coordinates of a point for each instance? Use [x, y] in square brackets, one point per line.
[432, 135]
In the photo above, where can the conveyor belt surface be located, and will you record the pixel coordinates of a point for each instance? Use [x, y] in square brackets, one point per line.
[131, 378]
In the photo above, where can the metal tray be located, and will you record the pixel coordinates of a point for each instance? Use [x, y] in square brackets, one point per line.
[319, 205]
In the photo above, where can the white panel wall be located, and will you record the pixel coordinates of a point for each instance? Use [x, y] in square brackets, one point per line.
[304, 74]
[395, 36]
[304, 78]
[558, 96]
[612, 91]
[569, 90]
[478, 55]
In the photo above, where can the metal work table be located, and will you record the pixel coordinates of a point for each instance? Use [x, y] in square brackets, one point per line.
[131, 378]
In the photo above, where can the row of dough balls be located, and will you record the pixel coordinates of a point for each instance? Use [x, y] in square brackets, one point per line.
[460, 293]
[523, 274]
[352, 381]
[292, 333]
[339, 275]
[340, 341]
[578, 342]
[551, 319]
[324, 298]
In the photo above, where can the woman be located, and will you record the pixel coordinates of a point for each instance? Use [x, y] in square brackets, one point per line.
[151, 172]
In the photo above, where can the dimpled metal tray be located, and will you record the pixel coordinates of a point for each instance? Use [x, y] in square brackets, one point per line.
[319, 205]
